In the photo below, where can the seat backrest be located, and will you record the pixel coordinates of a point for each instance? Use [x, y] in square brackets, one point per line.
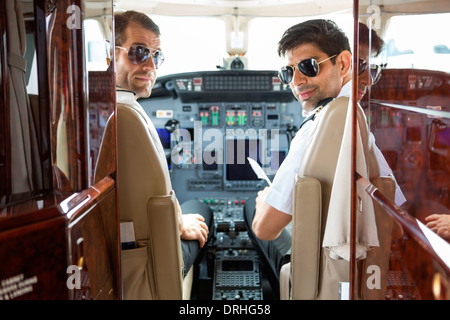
[314, 272]
[313, 187]
[153, 270]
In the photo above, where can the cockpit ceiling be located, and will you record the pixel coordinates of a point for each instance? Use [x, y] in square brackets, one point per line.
[256, 8]
[274, 8]
[250, 8]
[261, 8]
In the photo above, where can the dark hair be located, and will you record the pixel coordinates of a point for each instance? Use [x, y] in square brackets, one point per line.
[376, 41]
[325, 34]
[123, 19]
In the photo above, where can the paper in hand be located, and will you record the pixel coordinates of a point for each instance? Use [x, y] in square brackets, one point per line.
[258, 170]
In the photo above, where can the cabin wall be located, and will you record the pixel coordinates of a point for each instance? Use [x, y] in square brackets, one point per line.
[61, 234]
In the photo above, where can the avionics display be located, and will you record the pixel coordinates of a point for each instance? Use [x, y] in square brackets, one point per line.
[237, 265]
[237, 166]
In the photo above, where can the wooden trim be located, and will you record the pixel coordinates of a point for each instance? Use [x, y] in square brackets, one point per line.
[407, 221]
[354, 96]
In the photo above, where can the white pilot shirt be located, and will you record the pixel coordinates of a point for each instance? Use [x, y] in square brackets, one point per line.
[280, 194]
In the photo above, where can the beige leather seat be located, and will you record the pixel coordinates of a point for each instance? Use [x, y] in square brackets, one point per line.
[314, 272]
[153, 270]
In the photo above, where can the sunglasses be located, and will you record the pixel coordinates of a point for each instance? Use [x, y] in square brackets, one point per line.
[138, 54]
[309, 67]
[374, 70]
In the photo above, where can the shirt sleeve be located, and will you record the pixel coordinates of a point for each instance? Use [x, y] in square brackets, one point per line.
[386, 171]
[280, 195]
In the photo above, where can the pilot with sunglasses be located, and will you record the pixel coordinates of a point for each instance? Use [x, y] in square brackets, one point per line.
[369, 74]
[318, 71]
[137, 58]
[370, 46]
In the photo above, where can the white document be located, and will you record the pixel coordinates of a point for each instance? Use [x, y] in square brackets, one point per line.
[258, 170]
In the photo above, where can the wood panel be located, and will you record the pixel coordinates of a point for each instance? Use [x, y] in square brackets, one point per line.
[68, 101]
[413, 87]
[408, 110]
[93, 240]
[102, 97]
[73, 221]
[34, 256]
[40, 241]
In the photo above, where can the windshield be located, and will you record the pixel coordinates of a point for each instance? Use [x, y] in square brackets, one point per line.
[415, 47]
[199, 43]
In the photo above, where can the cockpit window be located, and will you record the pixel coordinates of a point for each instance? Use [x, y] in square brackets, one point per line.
[199, 43]
[191, 43]
[410, 45]
[96, 46]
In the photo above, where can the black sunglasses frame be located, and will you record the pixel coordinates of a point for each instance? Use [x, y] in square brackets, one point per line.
[138, 54]
[308, 67]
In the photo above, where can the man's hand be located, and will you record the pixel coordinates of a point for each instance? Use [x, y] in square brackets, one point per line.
[439, 223]
[194, 228]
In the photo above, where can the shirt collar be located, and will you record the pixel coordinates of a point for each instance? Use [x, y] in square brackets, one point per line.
[119, 88]
[346, 90]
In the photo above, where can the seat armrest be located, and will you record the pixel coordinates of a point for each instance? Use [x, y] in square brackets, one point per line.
[285, 282]
[166, 248]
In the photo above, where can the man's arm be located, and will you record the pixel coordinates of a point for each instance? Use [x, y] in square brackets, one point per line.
[268, 222]
[192, 226]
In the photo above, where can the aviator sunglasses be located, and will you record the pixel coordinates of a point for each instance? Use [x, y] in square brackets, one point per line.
[138, 54]
[374, 69]
[309, 67]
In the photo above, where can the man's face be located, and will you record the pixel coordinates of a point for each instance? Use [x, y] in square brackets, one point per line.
[311, 90]
[364, 79]
[138, 78]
